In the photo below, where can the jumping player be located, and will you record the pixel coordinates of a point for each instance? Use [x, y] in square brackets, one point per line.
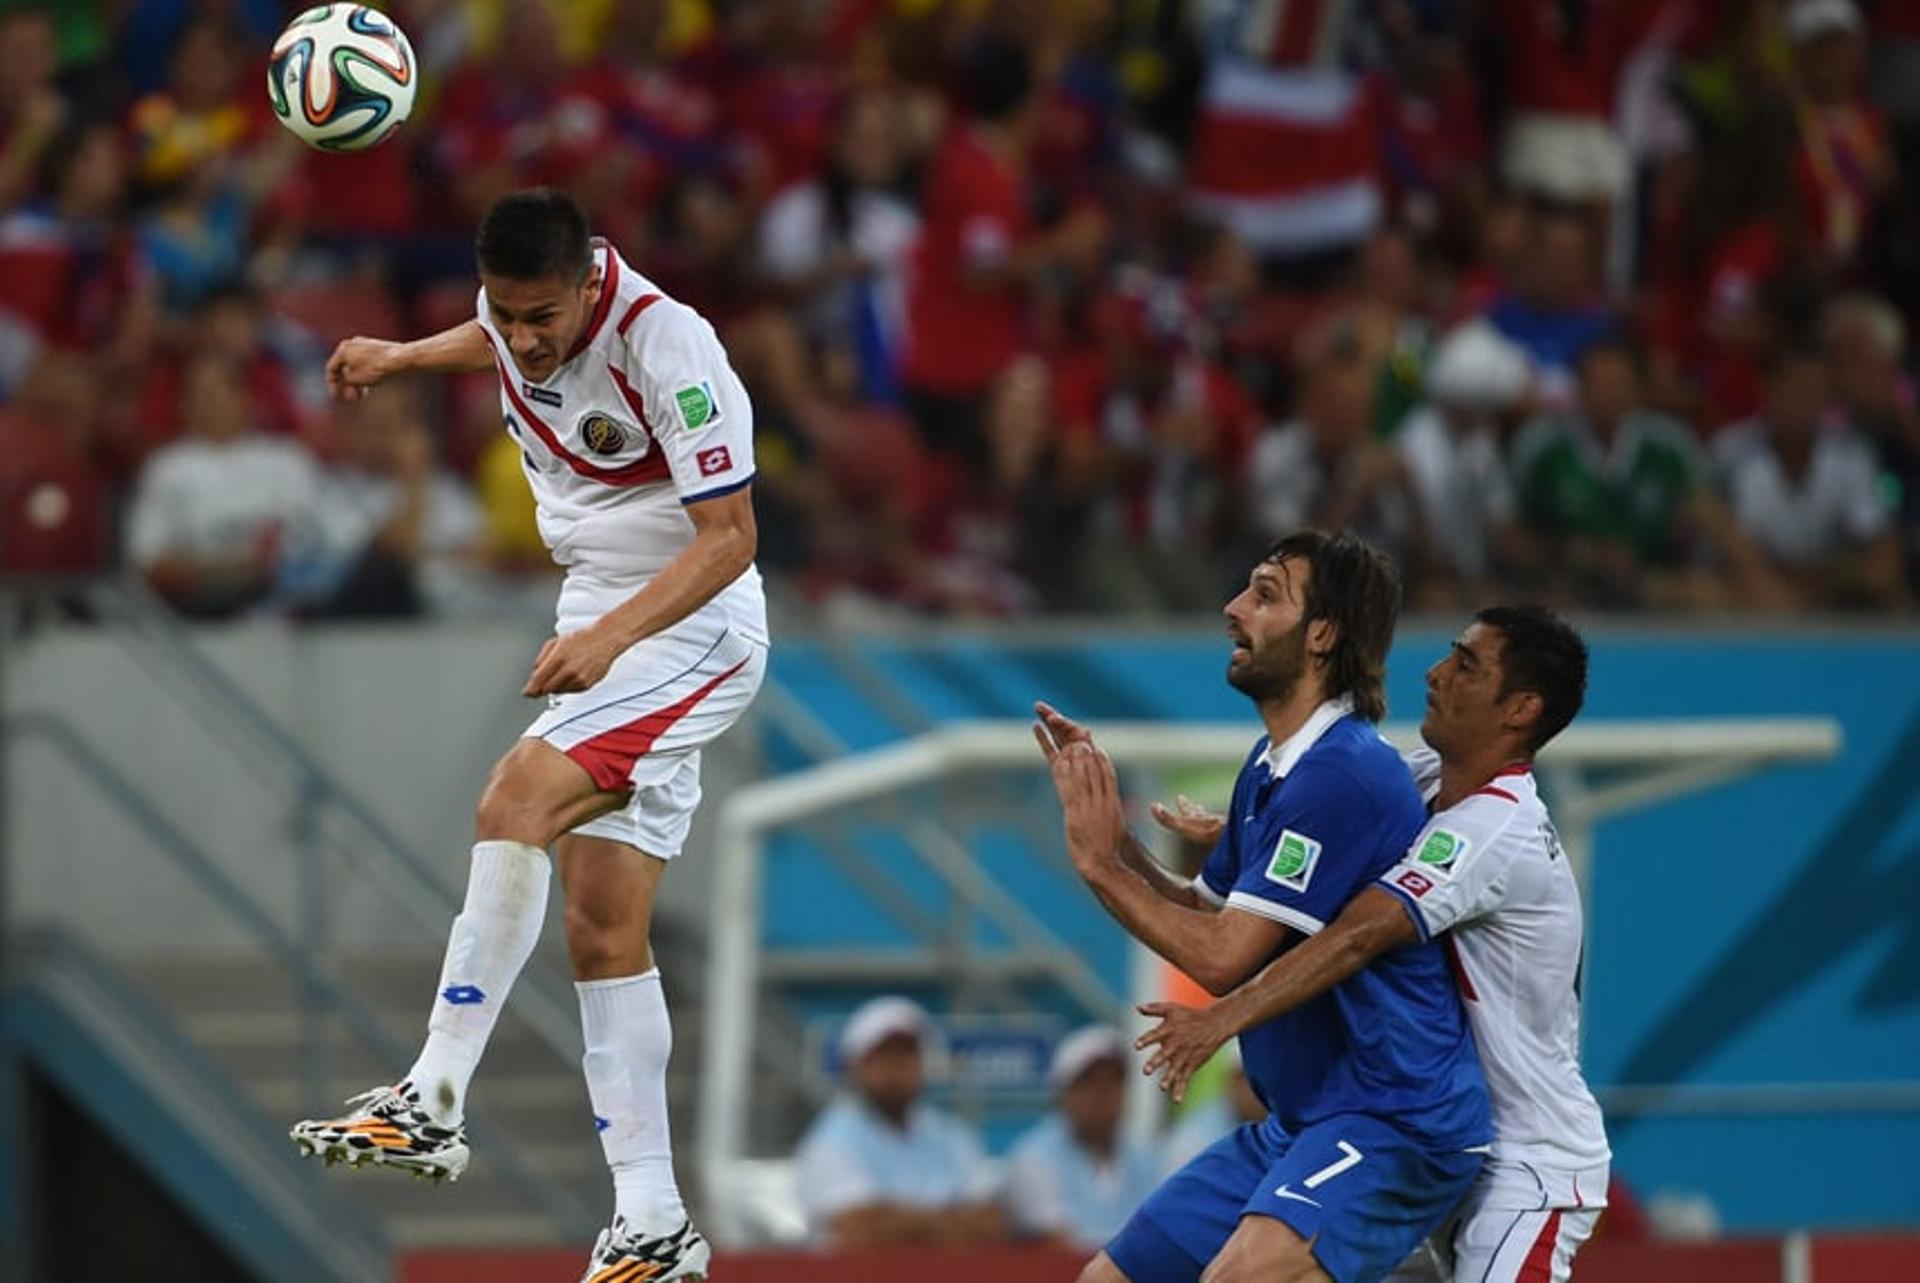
[1487, 869]
[1379, 1110]
[636, 437]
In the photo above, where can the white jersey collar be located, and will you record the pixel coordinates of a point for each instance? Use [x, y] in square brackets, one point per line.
[1282, 758]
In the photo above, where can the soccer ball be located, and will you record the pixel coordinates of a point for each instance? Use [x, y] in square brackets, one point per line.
[342, 77]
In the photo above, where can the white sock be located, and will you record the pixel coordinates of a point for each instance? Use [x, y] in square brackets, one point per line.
[490, 942]
[629, 1038]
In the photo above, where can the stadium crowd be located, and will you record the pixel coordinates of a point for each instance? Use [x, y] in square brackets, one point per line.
[1046, 305]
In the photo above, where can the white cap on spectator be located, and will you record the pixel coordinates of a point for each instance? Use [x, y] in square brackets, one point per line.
[1810, 19]
[1476, 368]
[879, 1019]
[1082, 1049]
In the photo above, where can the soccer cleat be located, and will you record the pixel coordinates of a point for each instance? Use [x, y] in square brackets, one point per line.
[386, 1127]
[623, 1256]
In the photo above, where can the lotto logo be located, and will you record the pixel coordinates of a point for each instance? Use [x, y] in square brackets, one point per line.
[713, 462]
[463, 995]
[1414, 883]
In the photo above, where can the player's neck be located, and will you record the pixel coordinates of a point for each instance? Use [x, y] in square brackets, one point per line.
[1283, 717]
[1461, 777]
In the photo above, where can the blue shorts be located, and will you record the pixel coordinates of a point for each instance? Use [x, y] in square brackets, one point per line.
[1364, 1193]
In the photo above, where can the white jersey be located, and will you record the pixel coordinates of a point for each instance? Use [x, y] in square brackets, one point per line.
[1490, 871]
[644, 417]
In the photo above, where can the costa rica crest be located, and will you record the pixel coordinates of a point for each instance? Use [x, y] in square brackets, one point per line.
[602, 435]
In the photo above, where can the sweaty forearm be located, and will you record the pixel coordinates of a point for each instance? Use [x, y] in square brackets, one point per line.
[461, 350]
[1164, 882]
[714, 559]
[1372, 923]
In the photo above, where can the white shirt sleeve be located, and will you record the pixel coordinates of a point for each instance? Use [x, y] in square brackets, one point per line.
[696, 406]
[1032, 1198]
[830, 1179]
[153, 520]
[1863, 510]
[978, 1182]
[1457, 868]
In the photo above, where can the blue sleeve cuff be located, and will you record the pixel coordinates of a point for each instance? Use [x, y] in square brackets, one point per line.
[1411, 905]
[716, 493]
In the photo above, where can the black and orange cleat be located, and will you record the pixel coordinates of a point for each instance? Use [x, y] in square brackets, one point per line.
[387, 1128]
[624, 1256]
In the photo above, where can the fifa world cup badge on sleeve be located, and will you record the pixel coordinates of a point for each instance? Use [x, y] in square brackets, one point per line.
[1441, 851]
[1294, 856]
[698, 408]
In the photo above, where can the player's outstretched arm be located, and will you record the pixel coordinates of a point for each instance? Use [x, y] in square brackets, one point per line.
[1371, 924]
[1218, 949]
[359, 363]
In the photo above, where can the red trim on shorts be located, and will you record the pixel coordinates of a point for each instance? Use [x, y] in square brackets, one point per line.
[1538, 1267]
[632, 313]
[1459, 970]
[610, 755]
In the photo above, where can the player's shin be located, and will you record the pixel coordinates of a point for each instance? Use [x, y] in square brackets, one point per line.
[629, 1038]
[490, 942]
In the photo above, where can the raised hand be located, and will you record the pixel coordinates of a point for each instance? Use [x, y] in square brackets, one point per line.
[1191, 821]
[359, 363]
[1055, 730]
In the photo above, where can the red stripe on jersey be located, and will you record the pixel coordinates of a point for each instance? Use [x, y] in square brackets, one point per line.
[1538, 1267]
[656, 458]
[633, 311]
[609, 282]
[610, 755]
[651, 468]
[1514, 768]
[1459, 970]
[1491, 791]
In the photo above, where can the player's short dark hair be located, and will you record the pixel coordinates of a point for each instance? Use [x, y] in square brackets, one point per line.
[1356, 588]
[1540, 652]
[534, 235]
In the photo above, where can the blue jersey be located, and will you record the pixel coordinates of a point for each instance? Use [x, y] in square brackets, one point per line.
[1312, 824]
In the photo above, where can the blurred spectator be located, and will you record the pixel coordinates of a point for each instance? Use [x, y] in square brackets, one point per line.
[213, 164]
[1433, 146]
[1805, 486]
[53, 504]
[1552, 308]
[879, 1167]
[69, 270]
[398, 533]
[1620, 497]
[1073, 1179]
[32, 112]
[1866, 345]
[1845, 160]
[838, 245]
[1326, 469]
[227, 322]
[216, 516]
[1454, 448]
[977, 254]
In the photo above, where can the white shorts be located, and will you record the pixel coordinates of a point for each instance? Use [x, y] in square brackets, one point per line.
[1519, 1224]
[642, 727]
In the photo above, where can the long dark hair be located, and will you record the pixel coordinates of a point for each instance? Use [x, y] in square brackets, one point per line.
[1356, 588]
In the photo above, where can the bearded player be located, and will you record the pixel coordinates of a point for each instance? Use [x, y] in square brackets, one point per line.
[1488, 871]
[636, 438]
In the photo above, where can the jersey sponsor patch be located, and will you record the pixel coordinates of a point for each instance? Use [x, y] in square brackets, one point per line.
[602, 435]
[698, 408]
[1294, 856]
[1414, 882]
[713, 462]
[545, 396]
[1441, 851]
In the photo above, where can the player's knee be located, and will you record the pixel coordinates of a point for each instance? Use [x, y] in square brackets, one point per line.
[602, 943]
[512, 808]
[1101, 1269]
[1264, 1251]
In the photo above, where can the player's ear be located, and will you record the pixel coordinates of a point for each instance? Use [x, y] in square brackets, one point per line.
[1322, 636]
[591, 287]
[1522, 711]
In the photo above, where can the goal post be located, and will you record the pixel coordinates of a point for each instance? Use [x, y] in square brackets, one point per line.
[1592, 771]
